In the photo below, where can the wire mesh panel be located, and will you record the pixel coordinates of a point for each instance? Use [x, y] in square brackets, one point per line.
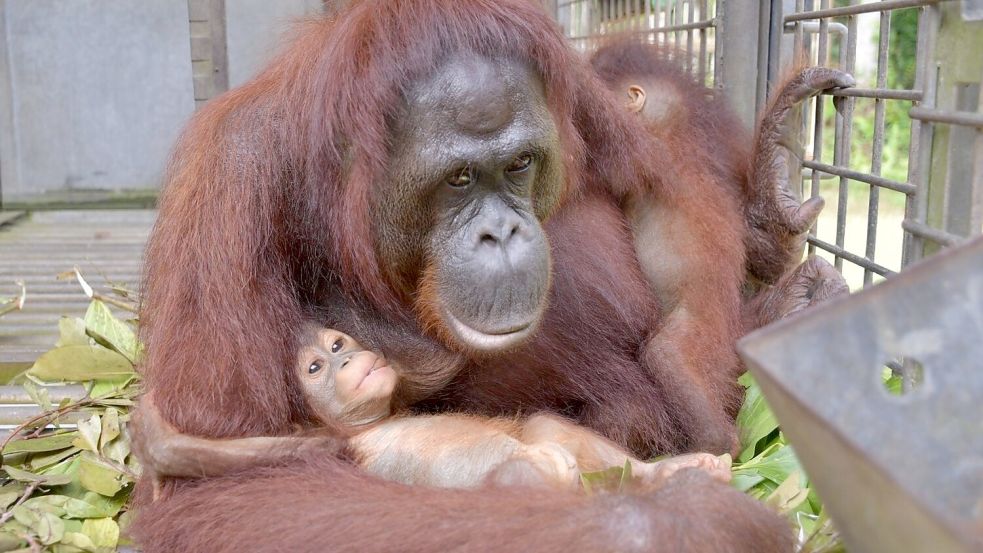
[899, 157]
[687, 26]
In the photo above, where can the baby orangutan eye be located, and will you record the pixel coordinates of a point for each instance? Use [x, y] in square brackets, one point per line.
[337, 345]
[314, 368]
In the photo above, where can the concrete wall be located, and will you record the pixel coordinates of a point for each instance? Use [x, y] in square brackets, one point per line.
[255, 29]
[92, 92]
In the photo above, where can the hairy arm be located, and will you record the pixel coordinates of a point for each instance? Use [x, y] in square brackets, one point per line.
[165, 452]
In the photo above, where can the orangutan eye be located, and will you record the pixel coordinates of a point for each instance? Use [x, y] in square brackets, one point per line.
[520, 164]
[462, 179]
[314, 368]
[337, 345]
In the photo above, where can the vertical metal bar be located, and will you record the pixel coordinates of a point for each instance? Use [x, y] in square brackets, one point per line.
[817, 137]
[976, 185]
[691, 10]
[674, 20]
[704, 15]
[718, 37]
[920, 146]
[797, 44]
[843, 143]
[648, 19]
[873, 203]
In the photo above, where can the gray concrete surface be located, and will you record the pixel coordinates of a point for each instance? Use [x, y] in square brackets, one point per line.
[92, 92]
[255, 29]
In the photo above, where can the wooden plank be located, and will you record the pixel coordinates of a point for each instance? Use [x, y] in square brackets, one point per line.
[106, 245]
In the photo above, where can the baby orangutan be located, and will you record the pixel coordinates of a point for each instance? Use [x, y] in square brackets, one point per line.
[344, 382]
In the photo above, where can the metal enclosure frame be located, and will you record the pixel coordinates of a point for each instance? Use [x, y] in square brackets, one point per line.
[742, 48]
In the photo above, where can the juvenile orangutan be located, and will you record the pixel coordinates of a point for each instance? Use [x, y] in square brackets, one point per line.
[344, 382]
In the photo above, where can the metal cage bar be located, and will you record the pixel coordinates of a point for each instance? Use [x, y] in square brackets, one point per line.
[918, 228]
[687, 26]
[825, 32]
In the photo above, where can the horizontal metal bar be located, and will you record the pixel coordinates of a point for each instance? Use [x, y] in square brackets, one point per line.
[903, 187]
[851, 257]
[935, 235]
[707, 24]
[859, 9]
[814, 27]
[880, 93]
[967, 118]
[17, 394]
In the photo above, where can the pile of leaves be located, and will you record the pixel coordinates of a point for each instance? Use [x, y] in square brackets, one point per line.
[68, 473]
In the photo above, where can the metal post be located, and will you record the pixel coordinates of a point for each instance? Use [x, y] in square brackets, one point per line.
[737, 55]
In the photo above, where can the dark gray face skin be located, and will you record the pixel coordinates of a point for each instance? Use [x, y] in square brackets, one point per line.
[474, 168]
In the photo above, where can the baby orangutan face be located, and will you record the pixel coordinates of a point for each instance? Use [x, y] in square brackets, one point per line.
[343, 381]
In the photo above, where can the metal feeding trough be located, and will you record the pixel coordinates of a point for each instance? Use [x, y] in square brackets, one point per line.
[897, 472]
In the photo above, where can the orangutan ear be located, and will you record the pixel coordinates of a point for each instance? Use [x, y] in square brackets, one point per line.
[636, 98]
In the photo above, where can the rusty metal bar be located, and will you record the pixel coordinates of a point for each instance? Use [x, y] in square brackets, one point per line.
[935, 235]
[859, 9]
[844, 140]
[966, 118]
[704, 14]
[669, 29]
[873, 201]
[689, 37]
[879, 93]
[844, 172]
[798, 34]
[817, 142]
[851, 257]
[922, 134]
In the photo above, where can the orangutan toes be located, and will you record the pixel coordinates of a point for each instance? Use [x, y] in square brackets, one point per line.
[813, 80]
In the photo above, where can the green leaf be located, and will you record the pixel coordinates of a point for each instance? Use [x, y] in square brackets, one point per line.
[7, 499]
[49, 528]
[79, 540]
[80, 363]
[755, 419]
[609, 479]
[39, 462]
[38, 394]
[54, 504]
[745, 481]
[117, 450]
[892, 382]
[101, 324]
[72, 332]
[10, 542]
[789, 494]
[110, 427]
[111, 386]
[88, 434]
[774, 465]
[94, 505]
[100, 476]
[104, 532]
[44, 443]
[45, 479]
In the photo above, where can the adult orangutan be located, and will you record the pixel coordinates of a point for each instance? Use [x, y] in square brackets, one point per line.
[449, 179]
